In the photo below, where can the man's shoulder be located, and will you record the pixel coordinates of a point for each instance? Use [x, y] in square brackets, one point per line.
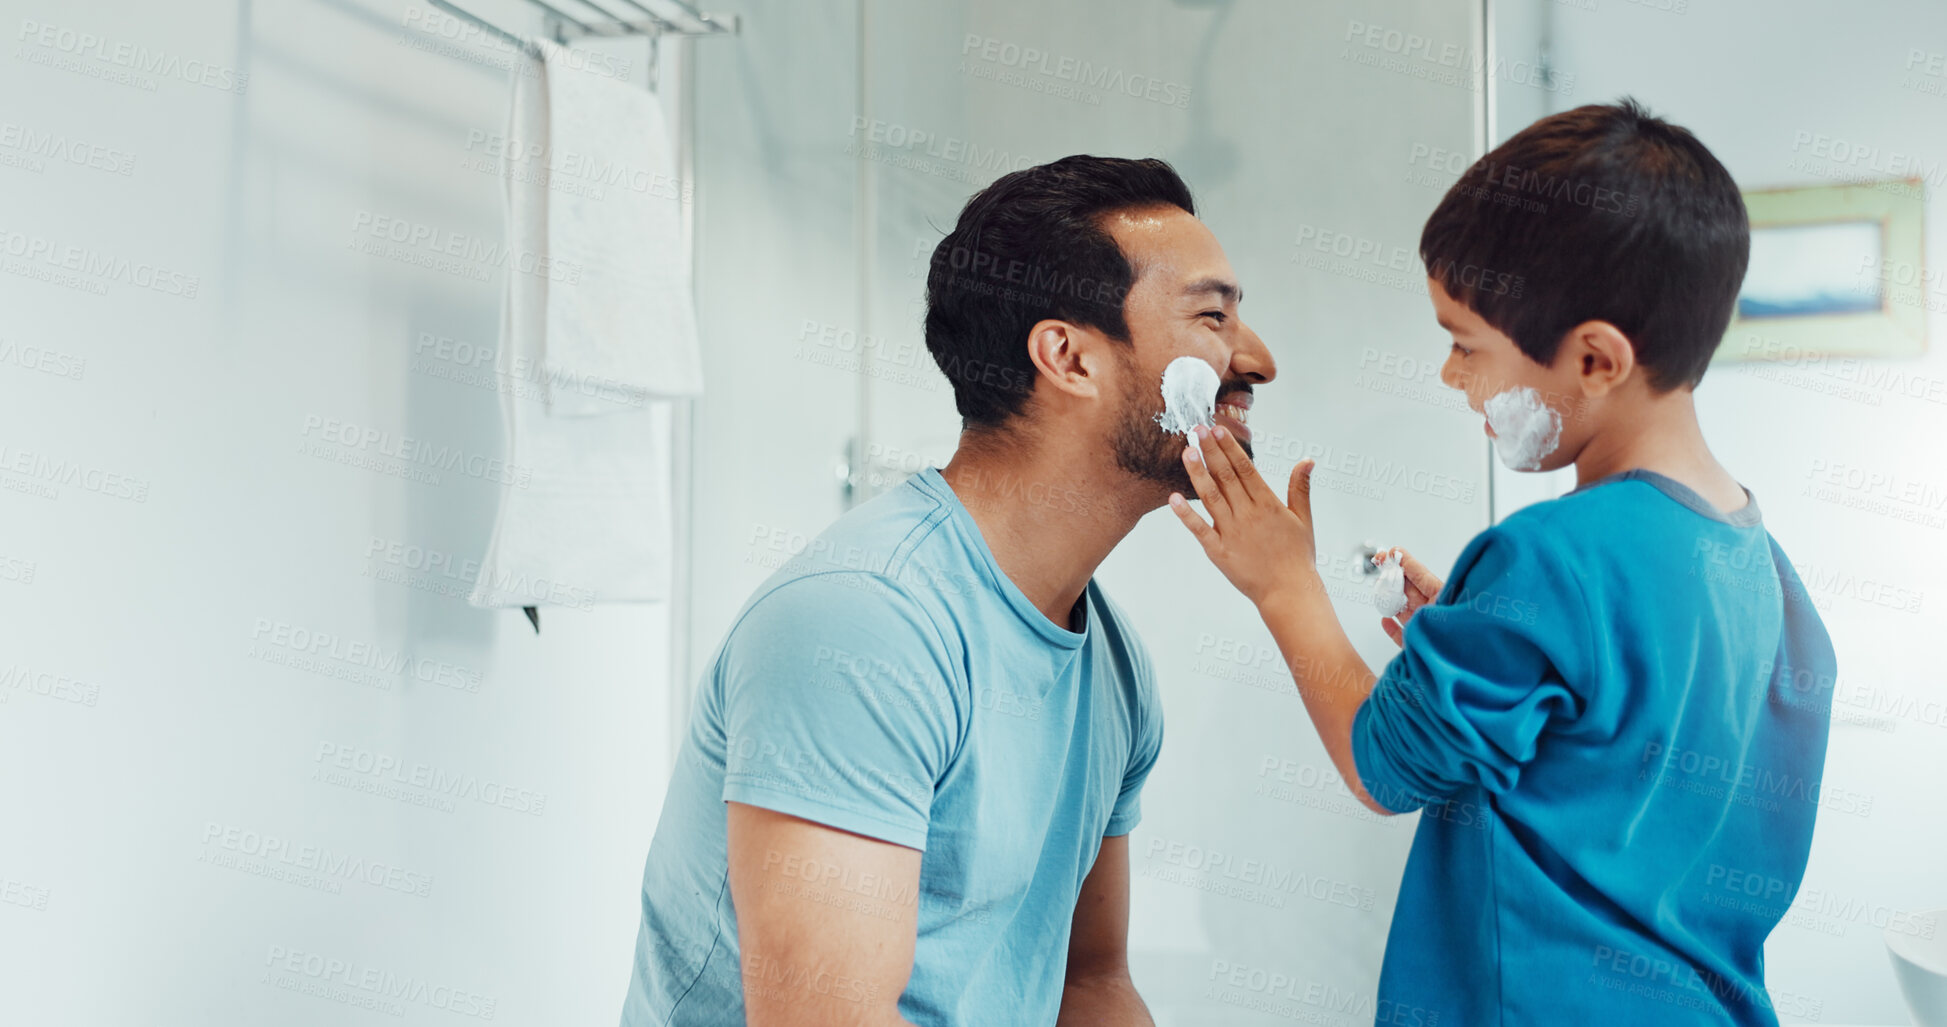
[881, 572]
[901, 538]
[1129, 654]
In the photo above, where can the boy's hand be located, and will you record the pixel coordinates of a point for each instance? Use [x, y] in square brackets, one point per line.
[1422, 585]
[1263, 544]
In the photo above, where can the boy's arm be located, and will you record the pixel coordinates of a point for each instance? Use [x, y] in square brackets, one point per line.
[1511, 652]
[1332, 679]
[1265, 547]
[1099, 989]
[808, 960]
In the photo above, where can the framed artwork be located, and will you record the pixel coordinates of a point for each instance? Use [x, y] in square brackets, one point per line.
[1835, 269]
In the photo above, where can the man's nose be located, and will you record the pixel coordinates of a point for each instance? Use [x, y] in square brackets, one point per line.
[1252, 359]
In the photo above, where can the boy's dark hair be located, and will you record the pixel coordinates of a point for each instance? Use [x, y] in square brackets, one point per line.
[1601, 213]
[1028, 248]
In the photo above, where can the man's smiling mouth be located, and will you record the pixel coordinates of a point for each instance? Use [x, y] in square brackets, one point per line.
[1235, 409]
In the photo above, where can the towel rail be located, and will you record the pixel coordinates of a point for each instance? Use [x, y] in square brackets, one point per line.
[684, 20]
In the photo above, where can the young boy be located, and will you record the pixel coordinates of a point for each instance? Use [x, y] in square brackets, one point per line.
[1609, 715]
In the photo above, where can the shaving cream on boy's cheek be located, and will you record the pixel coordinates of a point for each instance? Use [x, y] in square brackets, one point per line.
[1526, 429]
[1189, 397]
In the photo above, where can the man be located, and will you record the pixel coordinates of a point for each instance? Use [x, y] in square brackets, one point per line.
[916, 757]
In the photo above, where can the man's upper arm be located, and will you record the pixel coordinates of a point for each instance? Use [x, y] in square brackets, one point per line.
[1098, 943]
[1146, 747]
[826, 920]
[1098, 991]
[840, 711]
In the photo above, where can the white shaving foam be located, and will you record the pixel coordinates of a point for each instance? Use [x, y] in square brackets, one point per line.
[1189, 397]
[1526, 430]
[1389, 592]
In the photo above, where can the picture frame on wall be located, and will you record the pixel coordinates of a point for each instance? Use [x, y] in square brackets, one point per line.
[1835, 270]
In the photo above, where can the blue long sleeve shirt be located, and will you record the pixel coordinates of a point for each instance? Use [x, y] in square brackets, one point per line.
[1613, 719]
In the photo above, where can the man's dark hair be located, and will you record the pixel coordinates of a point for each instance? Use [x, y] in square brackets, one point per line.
[1031, 247]
[1601, 213]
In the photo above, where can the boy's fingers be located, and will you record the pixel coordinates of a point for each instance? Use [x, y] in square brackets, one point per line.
[1218, 460]
[1181, 507]
[1254, 483]
[1394, 631]
[1420, 576]
[1298, 492]
[1208, 489]
[1417, 595]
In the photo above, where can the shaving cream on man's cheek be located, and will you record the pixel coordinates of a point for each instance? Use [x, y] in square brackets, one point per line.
[1189, 396]
[1526, 430]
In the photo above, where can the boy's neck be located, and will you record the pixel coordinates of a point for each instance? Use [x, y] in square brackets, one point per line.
[1661, 434]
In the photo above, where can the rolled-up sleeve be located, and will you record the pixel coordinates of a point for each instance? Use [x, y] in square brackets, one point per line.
[1484, 671]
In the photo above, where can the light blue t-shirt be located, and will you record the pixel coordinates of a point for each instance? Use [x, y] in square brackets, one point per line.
[1613, 718]
[891, 681]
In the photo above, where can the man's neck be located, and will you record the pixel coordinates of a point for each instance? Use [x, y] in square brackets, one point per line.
[1666, 438]
[1049, 520]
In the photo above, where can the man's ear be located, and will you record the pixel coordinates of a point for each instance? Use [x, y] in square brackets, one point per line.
[1068, 356]
[1601, 356]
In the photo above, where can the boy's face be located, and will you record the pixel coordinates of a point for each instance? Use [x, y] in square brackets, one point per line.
[1485, 363]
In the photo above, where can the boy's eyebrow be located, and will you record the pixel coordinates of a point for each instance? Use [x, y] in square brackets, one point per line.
[1442, 321]
[1229, 290]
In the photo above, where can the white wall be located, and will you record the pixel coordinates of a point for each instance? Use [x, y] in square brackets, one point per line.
[156, 714]
[1770, 87]
[777, 285]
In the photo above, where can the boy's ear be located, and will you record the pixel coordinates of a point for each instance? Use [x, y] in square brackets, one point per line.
[1603, 356]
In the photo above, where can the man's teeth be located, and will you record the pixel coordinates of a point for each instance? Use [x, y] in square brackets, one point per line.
[1239, 414]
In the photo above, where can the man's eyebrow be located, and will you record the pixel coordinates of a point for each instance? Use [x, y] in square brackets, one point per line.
[1229, 290]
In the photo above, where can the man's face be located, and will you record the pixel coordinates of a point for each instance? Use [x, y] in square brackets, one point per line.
[1183, 304]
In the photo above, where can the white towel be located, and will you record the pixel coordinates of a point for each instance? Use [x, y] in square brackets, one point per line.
[623, 330]
[584, 509]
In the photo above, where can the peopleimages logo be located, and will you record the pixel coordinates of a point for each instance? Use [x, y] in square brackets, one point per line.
[949, 151]
[242, 848]
[592, 169]
[353, 983]
[1026, 61]
[67, 48]
[404, 448]
[363, 769]
[442, 573]
[450, 252]
[42, 359]
[37, 473]
[81, 267]
[47, 684]
[59, 146]
[357, 654]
